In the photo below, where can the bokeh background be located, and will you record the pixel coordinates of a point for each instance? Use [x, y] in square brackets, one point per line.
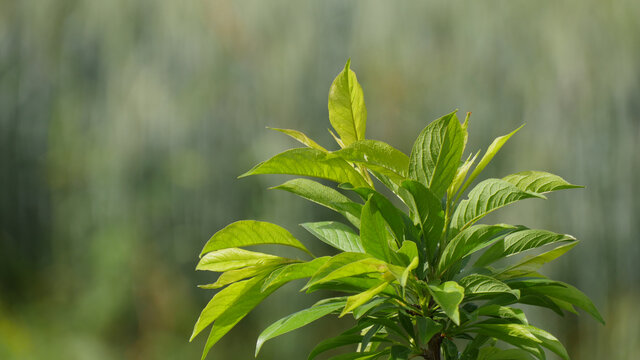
[123, 126]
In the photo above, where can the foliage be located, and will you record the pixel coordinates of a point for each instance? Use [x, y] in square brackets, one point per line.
[412, 276]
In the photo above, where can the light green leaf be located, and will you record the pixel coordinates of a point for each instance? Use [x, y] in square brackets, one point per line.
[298, 320]
[515, 334]
[518, 242]
[232, 276]
[234, 258]
[378, 156]
[436, 154]
[428, 209]
[251, 232]
[448, 295]
[364, 266]
[373, 232]
[309, 162]
[347, 112]
[336, 234]
[461, 174]
[469, 241]
[539, 181]
[325, 196]
[408, 251]
[301, 137]
[296, 271]
[487, 196]
[493, 149]
[531, 264]
[356, 300]
[476, 284]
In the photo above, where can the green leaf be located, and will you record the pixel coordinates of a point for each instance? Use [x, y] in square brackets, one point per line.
[301, 137]
[429, 212]
[360, 267]
[449, 296]
[360, 355]
[487, 196]
[549, 341]
[494, 353]
[436, 154]
[476, 284]
[373, 232]
[234, 258]
[251, 232]
[338, 341]
[493, 149]
[539, 181]
[399, 352]
[427, 328]
[298, 320]
[563, 292]
[531, 264]
[408, 251]
[518, 242]
[502, 312]
[232, 276]
[461, 174]
[356, 300]
[515, 334]
[325, 196]
[296, 271]
[336, 234]
[309, 162]
[347, 112]
[469, 241]
[378, 156]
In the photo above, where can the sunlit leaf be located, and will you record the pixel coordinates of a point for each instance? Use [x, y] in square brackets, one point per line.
[539, 181]
[518, 242]
[301, 137]
[310, 162]
[356, 300]
[336, 234]
[347, 112]
[532, 264]
[476, 284]
[378, 156]
[448, 295]
[251, 232]
[234, 258]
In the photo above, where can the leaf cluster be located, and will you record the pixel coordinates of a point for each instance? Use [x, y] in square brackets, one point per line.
[422, 279]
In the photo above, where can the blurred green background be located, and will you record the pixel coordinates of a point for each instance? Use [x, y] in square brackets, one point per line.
[123, 126]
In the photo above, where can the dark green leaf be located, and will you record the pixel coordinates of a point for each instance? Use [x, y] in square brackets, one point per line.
[530, 265]
[427, 328]
[429, 213]
[298, 320]
[476, 284]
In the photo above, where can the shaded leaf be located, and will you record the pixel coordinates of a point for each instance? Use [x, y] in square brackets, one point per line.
[373, 232]
[429, 212]
[476, 284]
[518, 242]
[448, 295]
[530, 265]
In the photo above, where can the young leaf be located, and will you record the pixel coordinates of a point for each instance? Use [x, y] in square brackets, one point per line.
[336, 234]
[487, 196]
[310, 162]
[298, 320]
[448, 295]
[493, 149]
[232, 276]
[469, 241]
[301, 137]
[234, 258]
[539, 182]
[359, 299]
[347, 112]
[360, 267]
[251, 232]
[325, 196]
[378, 156]
[295, 271]
[461, 174]
[436, 154]
[518, 242]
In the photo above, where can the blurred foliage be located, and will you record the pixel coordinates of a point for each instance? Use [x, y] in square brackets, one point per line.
[114, 116]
